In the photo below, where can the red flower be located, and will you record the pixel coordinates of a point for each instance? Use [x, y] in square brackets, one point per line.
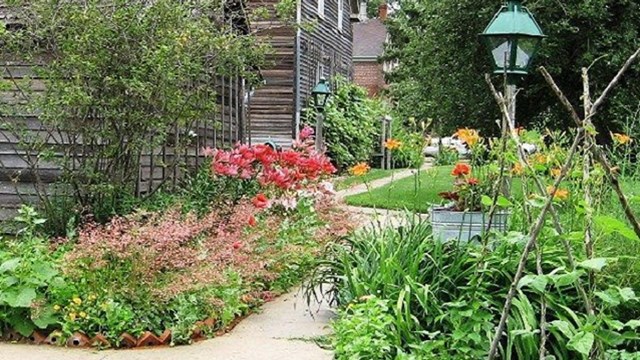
[290, 157]
[252, 221]
[260, 201]
[461, 169]
[473, 181]
[237, 245]
[265, 154]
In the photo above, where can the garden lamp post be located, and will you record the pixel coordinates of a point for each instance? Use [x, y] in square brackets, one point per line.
[513, 37]
[321, 93]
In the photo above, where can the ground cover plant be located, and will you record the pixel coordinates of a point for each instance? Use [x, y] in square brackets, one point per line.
[181, 263]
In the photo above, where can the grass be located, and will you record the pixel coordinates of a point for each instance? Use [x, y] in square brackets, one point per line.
[373, 174]
[408, 193]
[416, 193]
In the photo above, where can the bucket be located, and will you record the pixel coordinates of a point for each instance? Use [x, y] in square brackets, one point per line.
[463, 226]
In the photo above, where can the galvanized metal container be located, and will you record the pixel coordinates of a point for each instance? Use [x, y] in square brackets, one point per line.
[463, 226]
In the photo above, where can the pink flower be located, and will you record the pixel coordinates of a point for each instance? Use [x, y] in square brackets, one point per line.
[327, 188]
[288, 203]
[208, 152]
[252, 221]
[246, 174]
[306, 133]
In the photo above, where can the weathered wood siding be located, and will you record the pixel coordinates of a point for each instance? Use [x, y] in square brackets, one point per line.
[325, 50]
[295, 65]
[271, 105]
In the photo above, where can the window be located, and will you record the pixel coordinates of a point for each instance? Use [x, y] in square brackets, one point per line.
[319, 71]
[321, 8]
[340, 14]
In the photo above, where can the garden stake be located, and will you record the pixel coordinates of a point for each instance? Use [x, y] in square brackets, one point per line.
[533, 236]
[586, 177]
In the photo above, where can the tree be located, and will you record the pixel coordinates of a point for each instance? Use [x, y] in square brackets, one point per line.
[442, 60]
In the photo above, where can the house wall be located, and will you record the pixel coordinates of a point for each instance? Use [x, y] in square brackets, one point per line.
[271, 106]
[299, 58]
[369, 74]
[325, 50]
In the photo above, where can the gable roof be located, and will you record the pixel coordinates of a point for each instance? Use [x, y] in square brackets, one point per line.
[369, 37]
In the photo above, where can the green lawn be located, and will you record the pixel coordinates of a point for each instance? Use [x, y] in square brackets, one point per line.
[416, 193]
[373, 174]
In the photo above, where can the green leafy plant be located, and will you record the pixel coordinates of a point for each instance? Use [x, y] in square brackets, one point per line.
[125, 77]
[444, 298]
[29, 272]
[365, 330]
[351, 125]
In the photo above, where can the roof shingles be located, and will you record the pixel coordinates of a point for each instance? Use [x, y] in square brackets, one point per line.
[368, 39]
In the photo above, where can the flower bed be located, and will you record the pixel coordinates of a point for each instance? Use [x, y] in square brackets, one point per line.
[171, 276]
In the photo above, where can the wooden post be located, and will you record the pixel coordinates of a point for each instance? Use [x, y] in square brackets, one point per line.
[383, 136]
[387, 136]
[319, 135]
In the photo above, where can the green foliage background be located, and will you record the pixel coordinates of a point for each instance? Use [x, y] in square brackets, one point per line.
[352, 125]
[442, 61]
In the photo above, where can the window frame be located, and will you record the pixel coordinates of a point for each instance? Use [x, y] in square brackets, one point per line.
[340, 15]
[321, 9]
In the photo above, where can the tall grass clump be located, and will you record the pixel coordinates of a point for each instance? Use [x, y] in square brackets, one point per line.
[404, 295]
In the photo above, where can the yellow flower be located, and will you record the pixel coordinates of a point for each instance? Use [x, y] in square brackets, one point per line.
[622, 139]
[540, 159]
[77, 300]
[360, 169]
[561, 194]
[555, 172]
[83, 314]
[92, 297]
[56, 307]
[72, 316]
[468, 136]
[517, 169]
[392, 144]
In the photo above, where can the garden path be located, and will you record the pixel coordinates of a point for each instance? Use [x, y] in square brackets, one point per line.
[285, 328]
